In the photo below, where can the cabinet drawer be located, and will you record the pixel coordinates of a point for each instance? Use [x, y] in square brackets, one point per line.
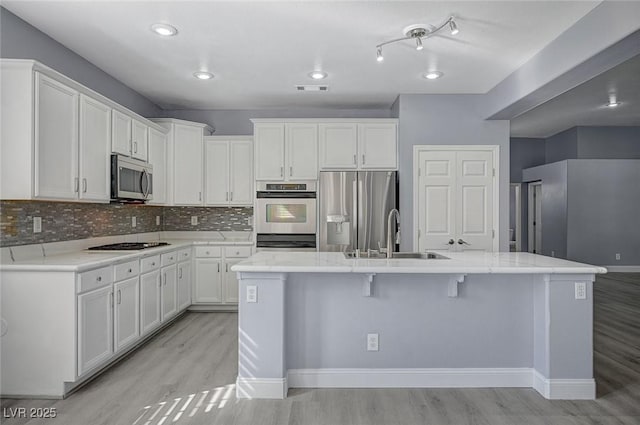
[93, 279]
[237, 251]
[184, 254]
[169, 258]
[126, 270]
[149, 263]
[208, 251]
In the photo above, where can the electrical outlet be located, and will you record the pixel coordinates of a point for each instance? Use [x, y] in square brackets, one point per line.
[157, 220]
[581, 290]
[194, 220]
[252, 294]
[553, 253]
[134, 222]
[618, 256]
[37, 224]
[372, 342]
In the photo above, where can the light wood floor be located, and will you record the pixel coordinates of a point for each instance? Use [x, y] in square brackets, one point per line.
[185, 375]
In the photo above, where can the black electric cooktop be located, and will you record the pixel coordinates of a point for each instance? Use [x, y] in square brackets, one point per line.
[128, 246]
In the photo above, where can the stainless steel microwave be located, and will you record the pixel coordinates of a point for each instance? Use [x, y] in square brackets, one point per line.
[131, 179]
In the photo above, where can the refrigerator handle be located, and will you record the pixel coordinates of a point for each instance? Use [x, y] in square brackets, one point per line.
[354, 213]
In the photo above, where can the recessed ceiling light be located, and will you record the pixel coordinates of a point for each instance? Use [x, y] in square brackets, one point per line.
[165, 30]
[203, 75]
[318, 75]
[613, 104]
[432, 75]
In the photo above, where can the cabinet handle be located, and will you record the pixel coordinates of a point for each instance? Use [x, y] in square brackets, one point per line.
[99, 278]
[153, 264]
[290, 170]
[281, 171]
[135, 147]
[84, 185]
[363, 161]
[231, 196]
[165, 279]
[226, 196]
[180, 273]
[119, 297]
[226, 267]
[218, 267]
[354, 159]
[130, 271]
[199, 196]
[76, 184]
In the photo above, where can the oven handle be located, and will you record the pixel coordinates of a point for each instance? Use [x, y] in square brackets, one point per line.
[285, 195]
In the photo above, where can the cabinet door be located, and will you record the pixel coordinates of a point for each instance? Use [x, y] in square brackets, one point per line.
[338, 146]
[126, 324]
[241, 174]
[184, 285]
[121, 133]
[187, 165]
[377, 146]
[149, 301]
[302, 151]
[95, 329]
[139, 135]
[56, 140]
[216, 172]
[95, 142]
[230, 282]
[158, 159]
[169, 281]
[269, 151]
[208, 284]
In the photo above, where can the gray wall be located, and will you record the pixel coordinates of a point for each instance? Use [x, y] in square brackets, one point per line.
[604, 211]
[448, 120]
[238, 122]
[20, 40]
[562, 146]
[554, 206]
[609, 142]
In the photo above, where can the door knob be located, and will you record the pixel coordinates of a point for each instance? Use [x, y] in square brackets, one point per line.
[451, 242]
[463, 242]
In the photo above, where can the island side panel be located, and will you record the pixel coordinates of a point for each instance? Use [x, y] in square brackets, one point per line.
[261, 361]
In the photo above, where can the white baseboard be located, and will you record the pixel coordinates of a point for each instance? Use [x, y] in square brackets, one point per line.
[623, 269]
[564, 389]
[261, 388]
[410, 378]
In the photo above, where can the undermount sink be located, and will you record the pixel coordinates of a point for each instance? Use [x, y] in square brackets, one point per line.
[375, 255]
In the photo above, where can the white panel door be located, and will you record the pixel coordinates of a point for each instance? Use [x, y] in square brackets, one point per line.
[95, 329]
[126, 322]
[216, 172]
[241, 173]
[169, 281]
[269, 151]
[230, 282]
[338, 146]
[56, 140]
[474, 200]
[139, 140]
[188, 163]
[95, 144]
[436, 198]
[183, 290]
[377, 146]
[302, 151]
[120, 133]
[208, 283]
[149, 301]
[158, 159]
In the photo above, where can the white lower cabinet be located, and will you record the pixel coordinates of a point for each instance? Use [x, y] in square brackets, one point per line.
[149, 301]
[214, 282]
[230, 280]
[168, 296]
[95, 328]
[126, 308]
[208, 283]
[183, 289]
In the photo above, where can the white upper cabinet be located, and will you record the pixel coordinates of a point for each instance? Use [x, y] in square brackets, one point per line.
[301, 151]
[158, 159]
[95, 137]
[228, 171]
[121, 133]
[269, 151]
[338, 146]
[56, 140]
[139, 133]
[366, 145]
[187, 177]
[377, 146]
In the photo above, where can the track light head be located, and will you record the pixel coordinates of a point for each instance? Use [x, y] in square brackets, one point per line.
[453, 27]
[419, 45]
[379, 56]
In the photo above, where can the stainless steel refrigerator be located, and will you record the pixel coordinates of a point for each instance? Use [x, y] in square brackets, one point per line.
[353, 209]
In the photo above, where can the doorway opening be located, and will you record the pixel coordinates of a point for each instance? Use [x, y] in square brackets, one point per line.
[535, 217]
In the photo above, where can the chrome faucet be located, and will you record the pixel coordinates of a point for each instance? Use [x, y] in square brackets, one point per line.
[390, 239]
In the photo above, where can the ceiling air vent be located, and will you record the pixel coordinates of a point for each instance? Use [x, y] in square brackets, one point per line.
[312, 88]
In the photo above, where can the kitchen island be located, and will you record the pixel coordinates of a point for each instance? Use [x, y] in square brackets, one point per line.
[313, 320]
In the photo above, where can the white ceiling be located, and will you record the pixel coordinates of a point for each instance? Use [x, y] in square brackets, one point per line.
[586, 104]
[260, 50]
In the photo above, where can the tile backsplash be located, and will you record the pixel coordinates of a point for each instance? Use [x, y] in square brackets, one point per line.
[63, 221]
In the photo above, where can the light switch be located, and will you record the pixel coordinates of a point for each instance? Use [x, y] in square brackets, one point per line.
[252, 294]
[194, 220]
[134, 222]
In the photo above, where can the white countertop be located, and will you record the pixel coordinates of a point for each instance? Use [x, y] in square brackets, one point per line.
[61, 259]
[458, 263]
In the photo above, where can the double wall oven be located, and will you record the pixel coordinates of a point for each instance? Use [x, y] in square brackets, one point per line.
[285, 216]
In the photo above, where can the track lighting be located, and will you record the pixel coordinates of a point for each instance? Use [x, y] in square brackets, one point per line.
[417, 32]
